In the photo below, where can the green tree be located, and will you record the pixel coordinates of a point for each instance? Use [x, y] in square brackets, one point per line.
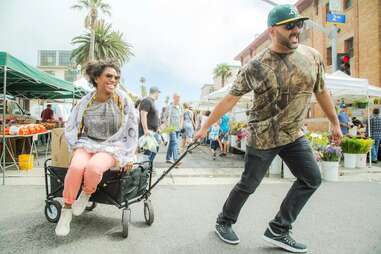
[108, 45]
[93, 7]
[222, 71]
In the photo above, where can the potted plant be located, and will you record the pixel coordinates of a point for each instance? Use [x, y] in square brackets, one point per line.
[350, 147]
[365, 146]
[361, 103]
[330, 157]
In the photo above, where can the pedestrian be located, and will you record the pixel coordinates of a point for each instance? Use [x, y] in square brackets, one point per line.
[174, 121]
[344, 120]
[188, 126]
[149, 119]
[47, 115]
[375, 133]
[224, 134]
[282, 79]
[214, 141]
[102, 131]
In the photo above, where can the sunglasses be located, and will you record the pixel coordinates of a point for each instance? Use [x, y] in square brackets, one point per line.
[110, 76]
[291, 25]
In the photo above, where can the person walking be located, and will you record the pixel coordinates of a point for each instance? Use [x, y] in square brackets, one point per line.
[188, 126]
[282, 79]
[149, 119]
[344, 120]
[174, 121]
[224, 134]
[375, 133]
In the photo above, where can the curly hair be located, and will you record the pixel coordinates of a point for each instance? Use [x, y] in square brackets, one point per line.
[94, 69]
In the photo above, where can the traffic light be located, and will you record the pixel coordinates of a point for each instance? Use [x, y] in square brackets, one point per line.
[343, 63]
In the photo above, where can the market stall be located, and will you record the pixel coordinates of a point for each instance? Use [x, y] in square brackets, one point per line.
[22, 80]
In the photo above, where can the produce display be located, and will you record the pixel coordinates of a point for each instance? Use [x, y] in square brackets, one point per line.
[27, 129]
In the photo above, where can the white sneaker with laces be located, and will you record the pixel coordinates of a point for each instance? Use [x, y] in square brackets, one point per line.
[79, 205]
[63, 226]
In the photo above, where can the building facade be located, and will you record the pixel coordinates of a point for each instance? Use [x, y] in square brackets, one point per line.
[58, 64]
[360, 36]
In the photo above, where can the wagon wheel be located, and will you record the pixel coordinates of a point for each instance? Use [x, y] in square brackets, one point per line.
[90, 206]
[148, 212]
[53, 211]
[125, 220]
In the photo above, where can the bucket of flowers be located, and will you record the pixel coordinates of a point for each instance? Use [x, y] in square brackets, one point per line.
[330, 157]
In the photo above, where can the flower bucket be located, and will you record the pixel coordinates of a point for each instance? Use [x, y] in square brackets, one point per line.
[243, 144]
[233, 140]
[360, 160]
[26, 161]
[276, 166]
[350, 160]
[287, 172]
[330, 170]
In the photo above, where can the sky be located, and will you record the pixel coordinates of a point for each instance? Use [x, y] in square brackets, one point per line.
[176, 43]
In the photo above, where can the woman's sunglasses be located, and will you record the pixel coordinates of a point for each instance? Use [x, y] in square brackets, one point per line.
[292, 25]
[110, 76]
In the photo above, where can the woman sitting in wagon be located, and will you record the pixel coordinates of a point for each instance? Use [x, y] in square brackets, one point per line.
[102, 131]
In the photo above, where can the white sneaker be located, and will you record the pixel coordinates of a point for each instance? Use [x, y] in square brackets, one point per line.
[63, 226]
[79, 205]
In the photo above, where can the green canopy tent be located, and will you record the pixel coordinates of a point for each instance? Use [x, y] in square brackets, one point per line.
[20, 79]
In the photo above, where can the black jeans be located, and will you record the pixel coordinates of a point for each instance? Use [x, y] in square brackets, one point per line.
[299, 158]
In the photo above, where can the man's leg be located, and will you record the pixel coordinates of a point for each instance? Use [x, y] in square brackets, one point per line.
[176, 149]
[374, 151]
[171, 146]
[257, 163]
[300, 159]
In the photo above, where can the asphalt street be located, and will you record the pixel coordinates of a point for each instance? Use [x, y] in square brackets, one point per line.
[340, 218]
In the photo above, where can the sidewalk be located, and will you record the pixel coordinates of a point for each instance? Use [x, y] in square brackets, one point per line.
[199, 168]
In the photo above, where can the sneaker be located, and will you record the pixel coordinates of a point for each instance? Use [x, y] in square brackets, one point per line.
[169, 162]
[284, 241]
[222, 154]
[63, 226]
[80, 204]
[225, 233]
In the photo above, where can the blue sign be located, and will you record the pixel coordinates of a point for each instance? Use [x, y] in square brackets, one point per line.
[333, 17]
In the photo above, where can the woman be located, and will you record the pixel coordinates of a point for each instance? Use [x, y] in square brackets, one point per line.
[188, 126]
[102, 131]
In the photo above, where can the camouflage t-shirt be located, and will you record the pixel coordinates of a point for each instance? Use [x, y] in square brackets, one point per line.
[282, 86]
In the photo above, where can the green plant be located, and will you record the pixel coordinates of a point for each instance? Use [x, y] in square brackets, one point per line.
[350, 145]
[318, 140]
[361, 103]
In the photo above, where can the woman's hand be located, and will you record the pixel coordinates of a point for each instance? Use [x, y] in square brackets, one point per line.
[128, 166]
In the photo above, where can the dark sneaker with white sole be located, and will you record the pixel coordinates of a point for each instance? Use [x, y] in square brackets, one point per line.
[225, 233]
[284, 241]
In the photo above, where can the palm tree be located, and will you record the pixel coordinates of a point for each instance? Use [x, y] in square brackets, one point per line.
[108, 45]
[93, 7]
[222, 71]
[143, 89]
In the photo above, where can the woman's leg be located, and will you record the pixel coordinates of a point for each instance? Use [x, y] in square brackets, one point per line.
[74, 176]
[98, 164]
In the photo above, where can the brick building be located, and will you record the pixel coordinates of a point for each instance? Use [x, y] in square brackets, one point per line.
[360, 36]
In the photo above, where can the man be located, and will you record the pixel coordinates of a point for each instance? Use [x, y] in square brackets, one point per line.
[149, 118]
[174, 121]
[282, 79]
[47, 114]
[375, 133]
[344, 120]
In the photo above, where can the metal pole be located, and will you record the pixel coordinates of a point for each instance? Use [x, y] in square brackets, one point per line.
[4, 120]
[333, 36]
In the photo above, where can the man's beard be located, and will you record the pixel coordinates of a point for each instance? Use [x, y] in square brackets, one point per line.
[286, 42]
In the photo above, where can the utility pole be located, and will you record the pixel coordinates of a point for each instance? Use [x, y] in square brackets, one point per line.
[330, 32]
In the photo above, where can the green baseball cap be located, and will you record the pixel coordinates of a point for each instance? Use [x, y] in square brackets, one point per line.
[282, 14]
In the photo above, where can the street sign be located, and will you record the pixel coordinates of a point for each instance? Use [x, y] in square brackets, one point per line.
[336, 18]
[335, 5]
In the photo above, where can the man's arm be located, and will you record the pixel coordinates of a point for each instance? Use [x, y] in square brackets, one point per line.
[325, 101]
[143, 117]
[225, 105]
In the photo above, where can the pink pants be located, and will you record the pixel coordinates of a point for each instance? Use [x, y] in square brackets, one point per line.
[86, 167]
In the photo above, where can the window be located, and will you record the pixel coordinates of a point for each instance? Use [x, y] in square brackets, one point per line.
[329, 56]
[347, 4]
[64, 57]
[48, 58]
[70, 75]
[348, 46]
[15, 109]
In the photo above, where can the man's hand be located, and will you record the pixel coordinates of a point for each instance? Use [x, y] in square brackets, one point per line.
[336, 134]
[128, 166]
[201, 134]
[146, 133]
